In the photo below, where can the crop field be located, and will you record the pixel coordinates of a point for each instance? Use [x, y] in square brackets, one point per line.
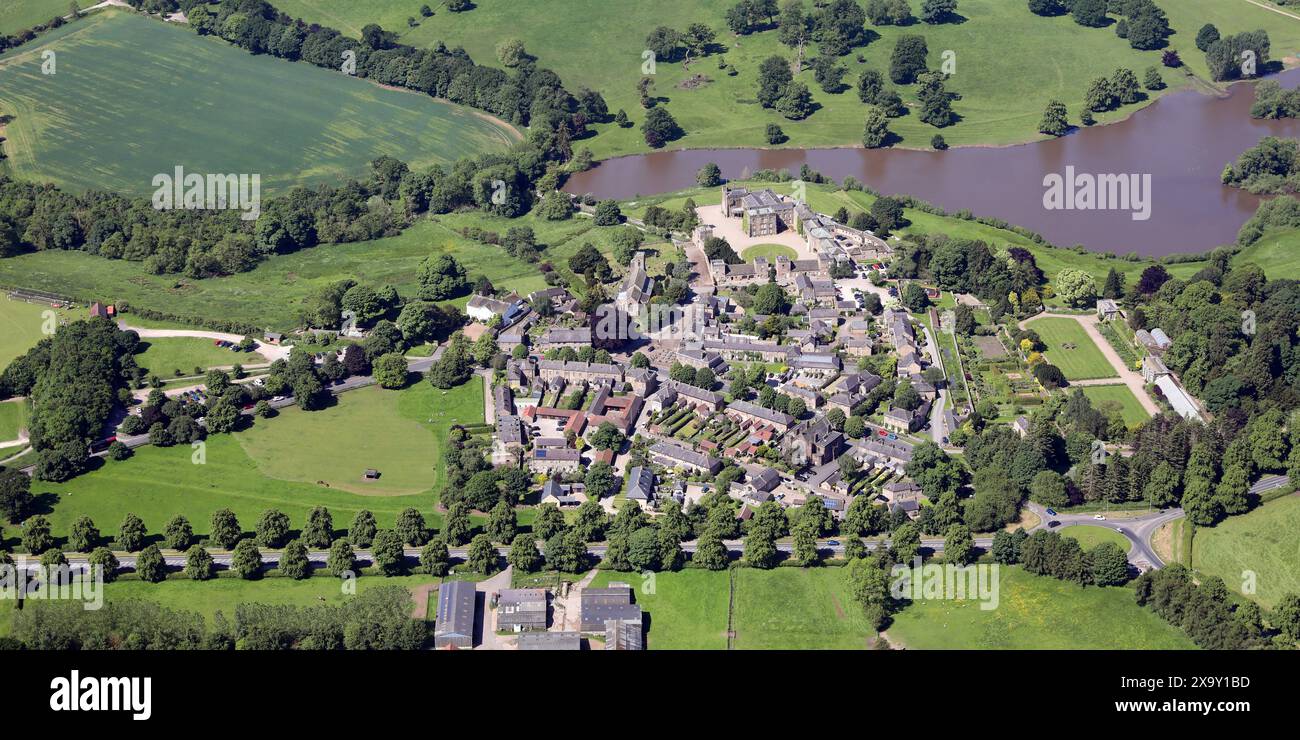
[1129, 407]
[1262, 542]
[1037, 613]
[1070, 348]
[399, 432]
[133, 97]
[163, 356]
[17, 15]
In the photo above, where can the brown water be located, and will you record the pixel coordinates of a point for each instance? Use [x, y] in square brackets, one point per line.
[1183, 140]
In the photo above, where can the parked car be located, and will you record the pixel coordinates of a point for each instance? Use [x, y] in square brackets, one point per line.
[1053, 523]
[833, 543]
[1051, 512]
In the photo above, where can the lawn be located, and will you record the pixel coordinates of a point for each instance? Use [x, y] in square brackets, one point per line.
[797, 609]
[1262, 542]
[1003, 86]
[13, 417]
[19, 15]
[770, 251]
[378, 429]
[163, 356]
[686, 611]
[1089, 536]
[1277, 253]
[1040, 613]
[1081, 359]
[1129, 407]
[136, 97]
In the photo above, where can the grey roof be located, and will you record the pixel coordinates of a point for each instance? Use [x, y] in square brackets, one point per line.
[457, 604]
[772, 415]
[641, 484]
[684, 454]
[550, 641]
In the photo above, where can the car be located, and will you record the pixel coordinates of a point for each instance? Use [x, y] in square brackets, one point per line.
[1051, 512]
[1099, 517]
[1053, 523]
[833, 543]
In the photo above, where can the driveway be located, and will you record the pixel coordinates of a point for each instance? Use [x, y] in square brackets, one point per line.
[497, 583]
[730, 229]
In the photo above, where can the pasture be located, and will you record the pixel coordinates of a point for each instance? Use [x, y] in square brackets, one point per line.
[133, 97]
[1037, 613]
[399, 432]
[1262, 542]
[797, 609]
[1070, 348]
[168, 356]
[23, 324]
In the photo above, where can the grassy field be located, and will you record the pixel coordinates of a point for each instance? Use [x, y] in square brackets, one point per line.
[1262, 542]
[23, 324]
[398, 432]
[1037, 612]
[163, 356]
[797, 609]
[687, 611]
[1101, 395]
[1082, 360]
[1089, 537]
[770, 251]
[1277, 253]
[1004, 86]
[13, 417]
[18, 15]
[134, 97]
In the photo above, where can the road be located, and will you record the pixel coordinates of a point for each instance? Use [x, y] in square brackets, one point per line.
[1137, 530]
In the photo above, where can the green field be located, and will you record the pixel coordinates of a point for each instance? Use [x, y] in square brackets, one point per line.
[163, 356]
[687, 611]
[1089, 536]
[18, 15]
[23, 324]
[13, 417]
[797, 609]
[1277, 253]
[1080, 361]
[770, 251]
[1037, 612]
[1262, 542]
[1129, 407]
[376, 428]
[1004, 86]
[136, 97]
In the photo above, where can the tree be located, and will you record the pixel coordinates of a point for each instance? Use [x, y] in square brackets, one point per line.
[710, 553]
[131, 535]
[319, 530]
[246, 561]
[410, 527]
[905, 543]
[442, 278]
[1208, 34]
[150, 565]
[502, 523]
[456, 526]
[805, 551]
[272, 529]
[36, 535]
[342, 559]
[84, 536]
[1054, 121]
[1075, 287]
[387, 552]
[16, 499]
[363, 529]
[659, 127]
[179, 535]
[293, 561]
[773, 77]
[796, 102]
[482, 556]
[225, 530]
[523, 554]
[1091, 13]
[774, 134]
[869, 585]
[709, 176]
[390, 371]
[103, 559]
[199, 565]
[1049, 375]
[1124, 85]
[1100, 97]
[1152, 80]
[908, 59]
[607, 437]
[937, 11]
[958, 546]
[1107, 564]
[549, 521]
[770, 299]
[1286, 618]
[875, 130]
[601, 481]
[760, 548]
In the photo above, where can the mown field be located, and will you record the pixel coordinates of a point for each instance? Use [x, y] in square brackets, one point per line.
[278, 462]
[1262, 542]
[1129, 407]
[13, 417]
[686, 611]
[1009, 62]
[23, 324]
[1037, 612]
[163, 356]
[134, 97]
[797, 609]
[1082, 360]
[1089, 537]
